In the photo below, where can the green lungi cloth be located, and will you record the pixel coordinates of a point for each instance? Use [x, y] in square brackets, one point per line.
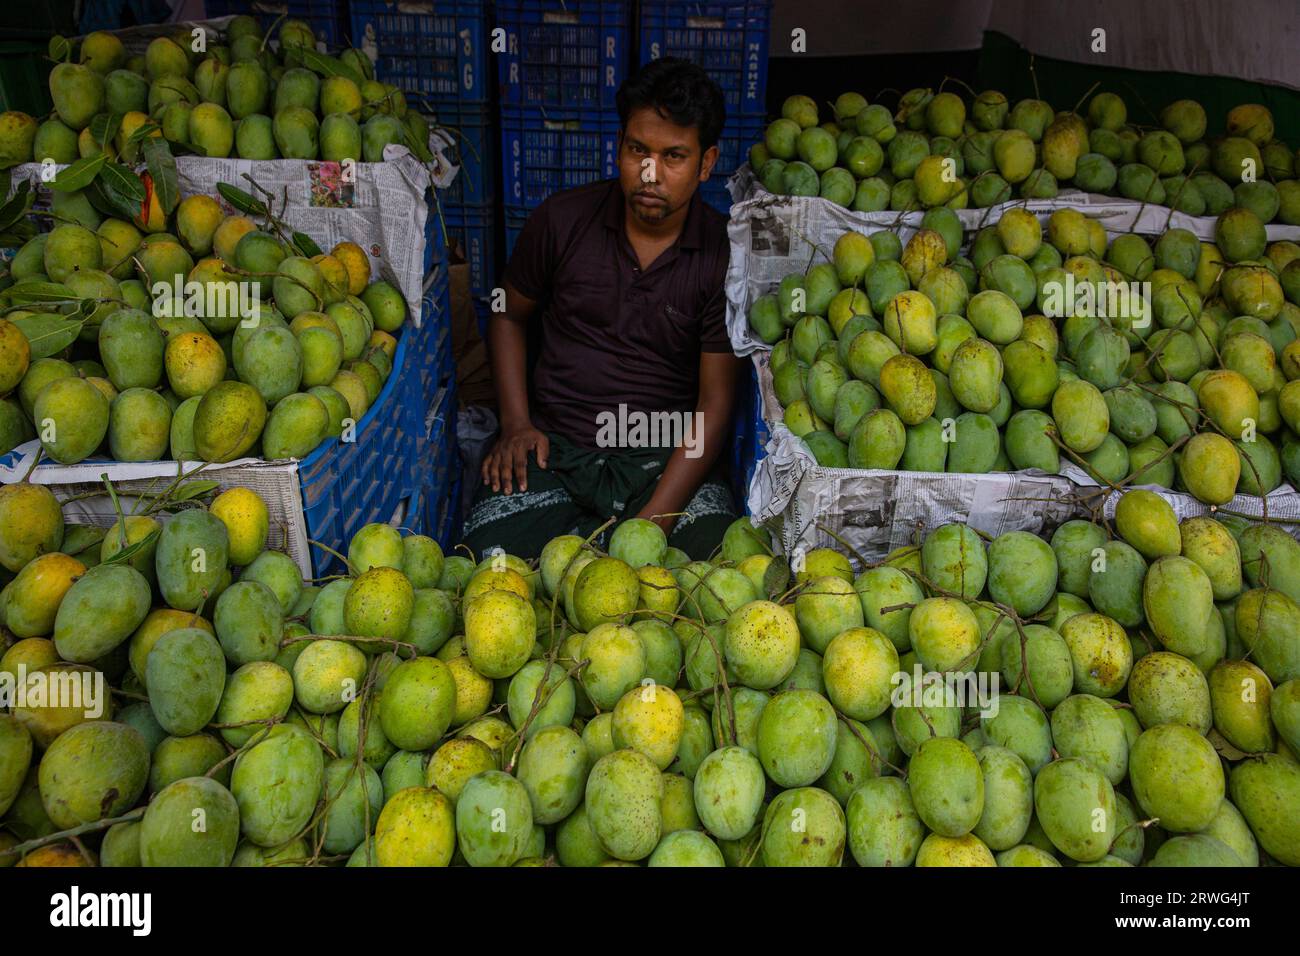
[582, 489]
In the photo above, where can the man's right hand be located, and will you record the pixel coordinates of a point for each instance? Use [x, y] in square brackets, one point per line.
[507, 463]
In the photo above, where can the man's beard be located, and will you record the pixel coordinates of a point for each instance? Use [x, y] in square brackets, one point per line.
[657, 212]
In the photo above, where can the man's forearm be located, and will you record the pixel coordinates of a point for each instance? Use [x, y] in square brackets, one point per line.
[508, 347]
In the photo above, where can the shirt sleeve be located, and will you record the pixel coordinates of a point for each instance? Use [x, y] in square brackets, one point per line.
[713, 318]
[532, 263]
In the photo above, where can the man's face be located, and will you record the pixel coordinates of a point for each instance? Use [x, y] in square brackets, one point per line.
[660, 165]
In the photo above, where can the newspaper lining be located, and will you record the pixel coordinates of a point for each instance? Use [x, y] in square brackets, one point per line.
[1281, 504]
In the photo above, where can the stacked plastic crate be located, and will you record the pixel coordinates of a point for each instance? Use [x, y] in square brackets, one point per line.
[562, 66]
[436, 54]
[729, 40]
[749, 446]
[431, 404]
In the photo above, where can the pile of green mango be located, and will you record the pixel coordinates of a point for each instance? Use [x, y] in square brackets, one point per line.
[1036, 350]
[1086, 700]
[145, 376]
[935, 150]
[200, 628]
[241, 97]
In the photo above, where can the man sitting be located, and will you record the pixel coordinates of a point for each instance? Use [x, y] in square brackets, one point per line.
[632, 390]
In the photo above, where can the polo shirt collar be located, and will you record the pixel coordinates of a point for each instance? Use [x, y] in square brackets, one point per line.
[692, 236]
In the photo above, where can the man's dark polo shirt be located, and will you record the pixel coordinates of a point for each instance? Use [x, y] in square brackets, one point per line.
[612, 333]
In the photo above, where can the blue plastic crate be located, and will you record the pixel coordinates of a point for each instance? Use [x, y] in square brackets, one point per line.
[751, 436]
[434, 367]
[442, 515]
[349, 484]
[447, 362]
[450, 513]
[328, 18]
[412, 518]
[545, 152]
[728, 39]
[515, 220]
[452, 519]
[440, 424]
[431, 343]
[567, 54]
[472, 227]
[440, 53]
[737, 136]
[474, 149]
[440, 494]
[435, 243]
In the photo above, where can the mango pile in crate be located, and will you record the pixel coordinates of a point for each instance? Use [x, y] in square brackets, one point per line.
[197, 337]
[1169, 363]
[243, 97]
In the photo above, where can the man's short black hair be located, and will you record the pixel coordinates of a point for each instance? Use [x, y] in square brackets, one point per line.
[677, 90]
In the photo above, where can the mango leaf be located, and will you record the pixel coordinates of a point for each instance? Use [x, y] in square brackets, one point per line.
[244, 202]
[134, 548]
[118, 179]
[34, 291]
[79, 174]
[17, 205]
[143, 130]
[48, 333]
[95, 193]
[6, 180]
[776, 579]
[193, 489]
[306, 245]
[104, 127]
[162, 170]
[324, 65]
[421, 150]
[110, 202]
[19, 233]
[60, 49]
